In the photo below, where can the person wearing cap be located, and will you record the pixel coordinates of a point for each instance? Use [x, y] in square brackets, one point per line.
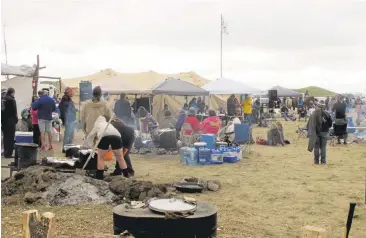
[68, 116]
[9, 119]
[318, 126]
[94, 108]
[45, 105]
[122, 109]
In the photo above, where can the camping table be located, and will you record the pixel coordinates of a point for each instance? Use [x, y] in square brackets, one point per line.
[142, 222]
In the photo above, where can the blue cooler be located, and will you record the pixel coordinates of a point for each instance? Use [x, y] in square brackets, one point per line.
[23, 137]
[217, 156]
[210, 140]
[230, 159]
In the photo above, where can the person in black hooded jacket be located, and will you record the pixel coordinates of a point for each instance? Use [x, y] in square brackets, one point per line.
[9, 119]
[128, 138]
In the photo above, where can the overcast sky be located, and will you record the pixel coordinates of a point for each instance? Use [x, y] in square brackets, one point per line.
[287, 42]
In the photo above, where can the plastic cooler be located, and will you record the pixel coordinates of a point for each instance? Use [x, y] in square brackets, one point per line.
[209, 139]
[217, 156]
[23, 137]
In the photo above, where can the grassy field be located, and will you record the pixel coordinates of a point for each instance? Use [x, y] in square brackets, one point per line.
[272, 193]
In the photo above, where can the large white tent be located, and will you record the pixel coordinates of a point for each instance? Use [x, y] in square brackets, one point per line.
[224, 86]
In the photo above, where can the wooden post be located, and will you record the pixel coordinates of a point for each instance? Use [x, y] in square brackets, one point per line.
[35, 226]
[314, 232]
[35, 77]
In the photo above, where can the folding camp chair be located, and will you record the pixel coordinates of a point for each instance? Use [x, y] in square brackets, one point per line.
[243, 136]
[302, 132]
[187, 136]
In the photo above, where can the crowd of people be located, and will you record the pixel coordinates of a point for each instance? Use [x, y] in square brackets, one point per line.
[106, 128]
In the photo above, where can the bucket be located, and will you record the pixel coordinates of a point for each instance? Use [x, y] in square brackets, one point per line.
[199, 145]
[27, 154]
[108, 156]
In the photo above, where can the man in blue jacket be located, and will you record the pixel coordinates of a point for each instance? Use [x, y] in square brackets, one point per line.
[45, 106]
[68, 115]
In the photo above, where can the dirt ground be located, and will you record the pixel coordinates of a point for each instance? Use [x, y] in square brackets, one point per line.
[272, 193]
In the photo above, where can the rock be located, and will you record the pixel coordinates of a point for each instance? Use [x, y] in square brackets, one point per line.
[212, 186]
[32, 197]
[142, 196]
[150, 193]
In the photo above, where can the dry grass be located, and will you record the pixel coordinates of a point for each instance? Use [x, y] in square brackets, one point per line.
[273, 193]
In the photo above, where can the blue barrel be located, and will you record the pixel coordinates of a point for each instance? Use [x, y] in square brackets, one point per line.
[210, 140]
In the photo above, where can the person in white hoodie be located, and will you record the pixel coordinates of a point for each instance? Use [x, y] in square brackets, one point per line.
[110, 137]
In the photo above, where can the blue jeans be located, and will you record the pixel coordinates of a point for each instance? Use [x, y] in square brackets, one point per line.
[321, 145]
[249, 118]
[69, 133]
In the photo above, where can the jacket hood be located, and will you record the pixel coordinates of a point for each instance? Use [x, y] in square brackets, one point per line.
[236, 121]
[98, 104]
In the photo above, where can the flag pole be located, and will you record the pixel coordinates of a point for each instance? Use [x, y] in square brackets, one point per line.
[221, 26]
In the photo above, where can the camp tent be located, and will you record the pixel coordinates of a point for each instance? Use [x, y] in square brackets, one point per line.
[22, 70]
[224, 86]
[177, 87]
[143, 81]
[285, 92]
[23, 91]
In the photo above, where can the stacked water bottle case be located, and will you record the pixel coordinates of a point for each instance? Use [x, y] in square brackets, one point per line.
[204, 153]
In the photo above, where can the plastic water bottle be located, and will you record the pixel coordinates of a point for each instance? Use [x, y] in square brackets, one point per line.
[191, 157]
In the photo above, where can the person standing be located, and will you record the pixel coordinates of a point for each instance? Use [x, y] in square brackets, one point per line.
[161, 115]
[247, 108]
[294, 104]
[45, 105]
[68, 116]
[128, 138]
[340, 121]
[36, 132]
[319, 124]
[94, 108]
[358, 105]
[9, 119]
[122, 109]
[327, 100]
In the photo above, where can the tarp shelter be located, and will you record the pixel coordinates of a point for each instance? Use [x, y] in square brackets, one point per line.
[22, 70]
[143, 81]
[177, 87]
[23, 91]
[285, 92]
[224, 86]
[116, 86]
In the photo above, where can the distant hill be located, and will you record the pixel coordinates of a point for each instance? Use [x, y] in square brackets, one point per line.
[316, 91]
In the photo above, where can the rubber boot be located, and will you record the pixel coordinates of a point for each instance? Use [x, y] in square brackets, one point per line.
[125, 173]
[99, 174]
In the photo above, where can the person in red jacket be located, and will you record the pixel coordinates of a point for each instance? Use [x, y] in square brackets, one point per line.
[212, 124]
[192, 120]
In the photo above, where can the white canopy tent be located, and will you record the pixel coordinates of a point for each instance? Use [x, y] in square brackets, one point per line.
[224, 86]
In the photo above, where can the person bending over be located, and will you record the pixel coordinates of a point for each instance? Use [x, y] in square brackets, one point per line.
[128, 138]
[110, 137]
